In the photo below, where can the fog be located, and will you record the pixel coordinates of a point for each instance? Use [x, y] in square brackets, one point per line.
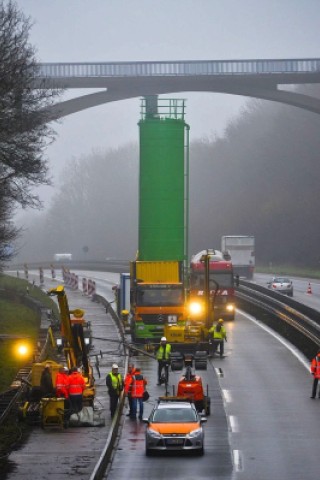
[132, 30]
[260, 179]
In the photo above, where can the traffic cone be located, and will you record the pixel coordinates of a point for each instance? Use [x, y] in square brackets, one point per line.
[309, 290]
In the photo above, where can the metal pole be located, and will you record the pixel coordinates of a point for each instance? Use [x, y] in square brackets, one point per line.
[207, 260]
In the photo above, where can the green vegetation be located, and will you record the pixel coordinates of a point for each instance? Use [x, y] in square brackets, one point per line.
[19, 320]
[12, 434]
[23, 322]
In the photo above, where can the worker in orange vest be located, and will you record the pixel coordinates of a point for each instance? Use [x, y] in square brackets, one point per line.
[62, 383]
[76, 387]
[137, 389]
[127, 385]
[315, 370]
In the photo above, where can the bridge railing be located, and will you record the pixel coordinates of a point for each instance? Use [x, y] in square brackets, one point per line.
[179, 68]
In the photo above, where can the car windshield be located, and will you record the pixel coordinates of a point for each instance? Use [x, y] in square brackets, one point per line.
[281, 280]
[160, 296]
[174, 415]
[224, 280]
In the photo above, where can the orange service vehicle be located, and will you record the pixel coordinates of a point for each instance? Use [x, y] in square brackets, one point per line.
[174, 425]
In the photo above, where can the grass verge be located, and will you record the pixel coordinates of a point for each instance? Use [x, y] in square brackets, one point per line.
[19, 321]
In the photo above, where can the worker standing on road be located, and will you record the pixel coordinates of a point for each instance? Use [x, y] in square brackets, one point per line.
[76, 387]
[137, 389]
[127, 386]
[163, 357]
[46, 384]
[315, 370]
[62, 383]
[114, 383]
[218, 336]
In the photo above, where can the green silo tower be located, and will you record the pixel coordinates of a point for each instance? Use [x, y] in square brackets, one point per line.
[163, 182]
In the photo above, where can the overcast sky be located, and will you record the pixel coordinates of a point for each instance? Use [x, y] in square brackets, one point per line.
[132, 30]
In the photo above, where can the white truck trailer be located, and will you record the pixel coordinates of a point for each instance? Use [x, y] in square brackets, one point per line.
[241, 249]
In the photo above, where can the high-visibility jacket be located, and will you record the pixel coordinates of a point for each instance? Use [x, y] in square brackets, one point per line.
[128, 380]
[163, 352]
[315, 366]
[221, 335]
[62, 385]
[137, 386]
[114, 383]
[76, 384]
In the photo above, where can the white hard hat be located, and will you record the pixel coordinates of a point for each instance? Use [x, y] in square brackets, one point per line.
[163, 339]
[114, 366]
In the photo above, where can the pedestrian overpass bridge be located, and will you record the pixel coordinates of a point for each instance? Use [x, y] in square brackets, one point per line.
[264, 79]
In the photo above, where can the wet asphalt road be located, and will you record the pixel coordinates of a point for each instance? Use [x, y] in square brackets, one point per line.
[263, 424]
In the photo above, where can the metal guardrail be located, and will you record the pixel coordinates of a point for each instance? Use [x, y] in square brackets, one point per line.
[179, 68]
[299, 323]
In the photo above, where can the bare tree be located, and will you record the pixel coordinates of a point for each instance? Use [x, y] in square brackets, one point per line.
[24, 132]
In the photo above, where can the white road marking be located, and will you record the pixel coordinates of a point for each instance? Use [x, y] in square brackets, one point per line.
[237, 460]
[302, 359]
[227, 396]
[234, 424]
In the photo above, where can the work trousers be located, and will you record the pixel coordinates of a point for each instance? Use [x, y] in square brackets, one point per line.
[217, 342]
[163, 364]
[314, 387]
[135, 403]
[76, 403]
[114, 399]
[130, 403]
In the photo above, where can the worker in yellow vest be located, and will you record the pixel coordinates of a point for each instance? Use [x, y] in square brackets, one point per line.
[218, 335]
[114, 383]
[163, 357]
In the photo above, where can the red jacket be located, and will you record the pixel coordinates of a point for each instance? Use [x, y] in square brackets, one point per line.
[128, 381]
[76, 383]
[62, 385]
[137, 386]
[315, 366]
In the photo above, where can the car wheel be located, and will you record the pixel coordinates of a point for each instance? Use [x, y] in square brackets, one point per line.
[201, 452]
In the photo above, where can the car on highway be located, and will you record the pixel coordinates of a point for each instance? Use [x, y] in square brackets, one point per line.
[174, 425]
[281, 285]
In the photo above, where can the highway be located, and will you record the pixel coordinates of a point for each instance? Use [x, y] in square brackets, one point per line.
[300, 287]
[263, 423]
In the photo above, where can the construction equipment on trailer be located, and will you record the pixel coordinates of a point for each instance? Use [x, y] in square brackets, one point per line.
[52, 412]
[190, 386]
[45, 408]
[30, 409]
[75, 348]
